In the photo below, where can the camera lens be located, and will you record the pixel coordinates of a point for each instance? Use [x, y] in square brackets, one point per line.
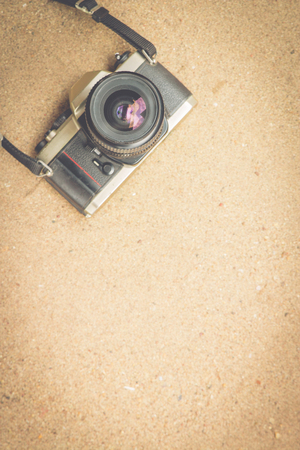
[124, 114]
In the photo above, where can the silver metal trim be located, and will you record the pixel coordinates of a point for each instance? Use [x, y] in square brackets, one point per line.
[182, 112]
[132, 63]
[64, 133]
[81, 89]
[107, 190]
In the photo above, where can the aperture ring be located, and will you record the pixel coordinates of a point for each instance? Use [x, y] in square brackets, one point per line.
[123, 152]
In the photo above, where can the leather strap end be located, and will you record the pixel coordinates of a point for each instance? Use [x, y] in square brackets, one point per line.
[100, 14]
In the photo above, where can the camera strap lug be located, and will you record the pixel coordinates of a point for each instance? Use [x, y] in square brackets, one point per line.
[49, 171]
[151, 61]
[87, 6]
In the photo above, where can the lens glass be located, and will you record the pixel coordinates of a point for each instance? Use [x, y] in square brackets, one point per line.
[125, 110]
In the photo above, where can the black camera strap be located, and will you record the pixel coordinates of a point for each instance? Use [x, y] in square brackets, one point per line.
[100, 15]
[37, 167]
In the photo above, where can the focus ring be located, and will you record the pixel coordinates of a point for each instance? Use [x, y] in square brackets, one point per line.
[125, 152]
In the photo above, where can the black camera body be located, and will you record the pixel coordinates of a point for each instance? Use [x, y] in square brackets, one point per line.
[114, 122]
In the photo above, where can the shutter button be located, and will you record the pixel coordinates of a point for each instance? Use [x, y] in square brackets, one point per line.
[108, 169]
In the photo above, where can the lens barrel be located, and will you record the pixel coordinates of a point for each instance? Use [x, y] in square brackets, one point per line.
[125, 114]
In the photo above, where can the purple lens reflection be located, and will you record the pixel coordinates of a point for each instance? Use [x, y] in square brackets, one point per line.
[132, 114]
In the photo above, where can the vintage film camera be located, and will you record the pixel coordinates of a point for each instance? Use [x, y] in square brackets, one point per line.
[115, 120]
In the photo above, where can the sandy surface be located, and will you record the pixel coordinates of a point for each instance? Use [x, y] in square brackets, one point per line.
[170, 319]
